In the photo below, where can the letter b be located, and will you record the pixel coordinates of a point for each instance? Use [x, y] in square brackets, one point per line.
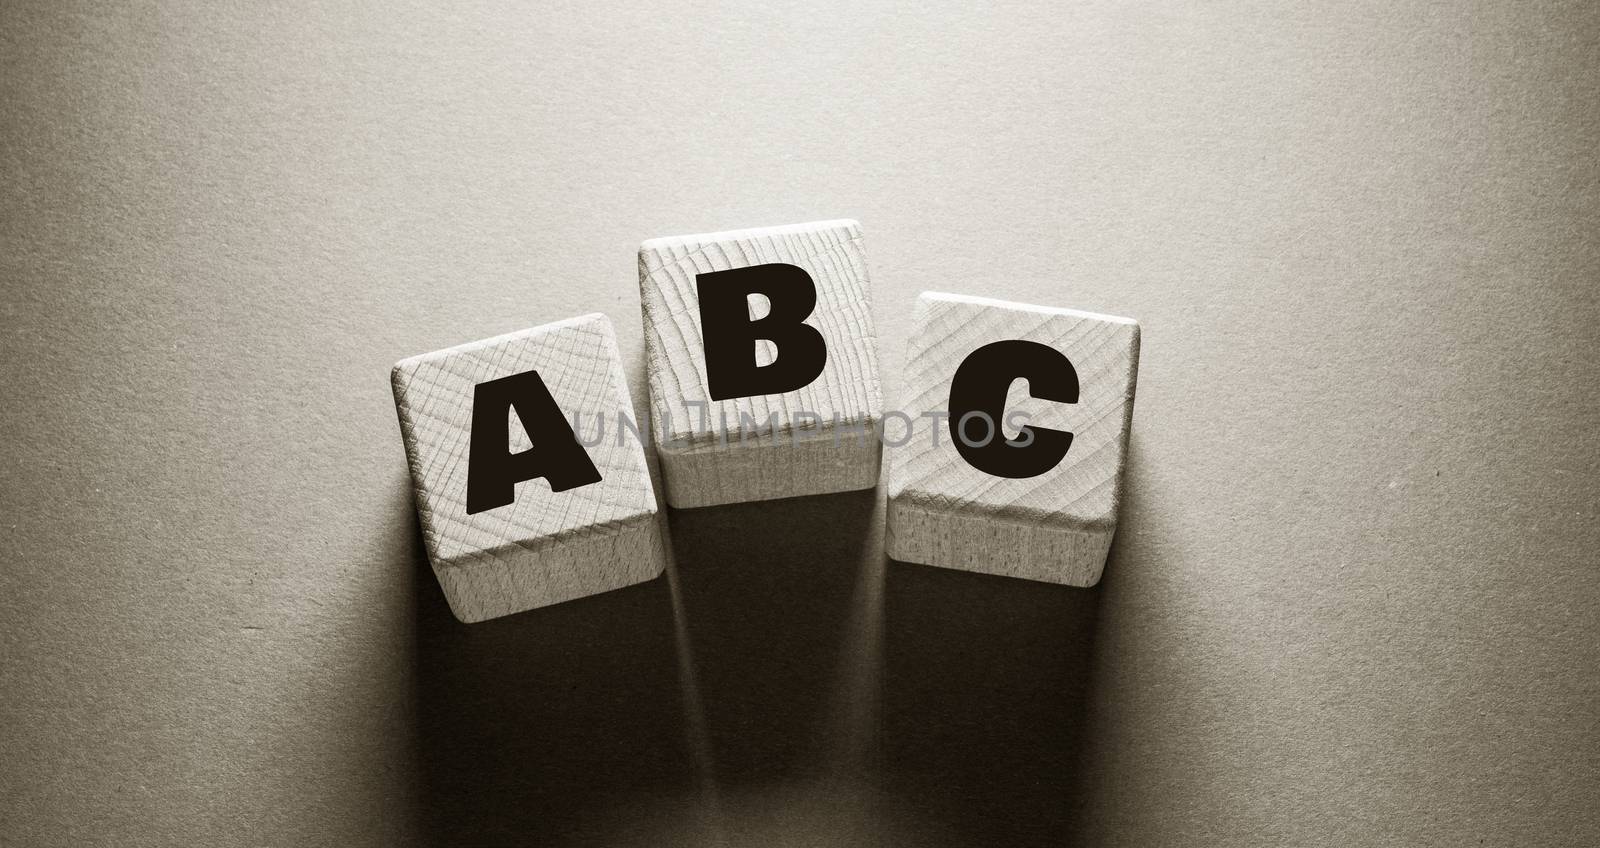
[730, 336]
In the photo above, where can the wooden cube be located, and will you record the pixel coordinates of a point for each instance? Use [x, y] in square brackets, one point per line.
[729, 443]
[478, 418]
[1001, 507]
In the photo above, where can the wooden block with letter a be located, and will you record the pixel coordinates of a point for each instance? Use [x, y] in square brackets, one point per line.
[763, 363]
[1016, 430]
[528, 492]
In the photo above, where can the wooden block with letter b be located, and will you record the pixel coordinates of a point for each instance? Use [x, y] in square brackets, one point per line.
[763, 363]
[528, 489]
[1016, 430]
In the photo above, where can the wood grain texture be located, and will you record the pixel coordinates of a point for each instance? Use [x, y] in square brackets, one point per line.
[545, 547]
[1055, 527]
[818, 439]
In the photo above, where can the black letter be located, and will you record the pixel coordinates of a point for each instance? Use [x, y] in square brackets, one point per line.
[493, 472]
[980, 385]
[730, 335]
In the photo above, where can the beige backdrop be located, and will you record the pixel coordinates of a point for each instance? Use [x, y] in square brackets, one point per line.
[1354, 599]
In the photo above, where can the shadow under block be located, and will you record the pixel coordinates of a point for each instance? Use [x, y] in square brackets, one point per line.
[545, 547]
[1055, 527]
[824, 435]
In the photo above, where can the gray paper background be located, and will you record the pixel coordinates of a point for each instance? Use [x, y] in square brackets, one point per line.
[1353, 601]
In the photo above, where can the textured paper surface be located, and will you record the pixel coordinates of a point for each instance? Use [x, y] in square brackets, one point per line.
[1353, 596]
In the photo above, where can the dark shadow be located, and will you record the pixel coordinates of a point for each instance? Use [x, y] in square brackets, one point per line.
[534, 729]
[807, 690]
[770, 593]
[990, 709]
[985, 687]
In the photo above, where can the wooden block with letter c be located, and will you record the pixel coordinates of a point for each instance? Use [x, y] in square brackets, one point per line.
[1015, 430]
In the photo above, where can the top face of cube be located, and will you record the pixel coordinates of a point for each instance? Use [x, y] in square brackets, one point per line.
[830, 253]
[578, 362]
[1085, 486]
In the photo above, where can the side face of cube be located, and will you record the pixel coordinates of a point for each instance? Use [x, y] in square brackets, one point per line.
[544, 546]
[820, 437]
[979, 480]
